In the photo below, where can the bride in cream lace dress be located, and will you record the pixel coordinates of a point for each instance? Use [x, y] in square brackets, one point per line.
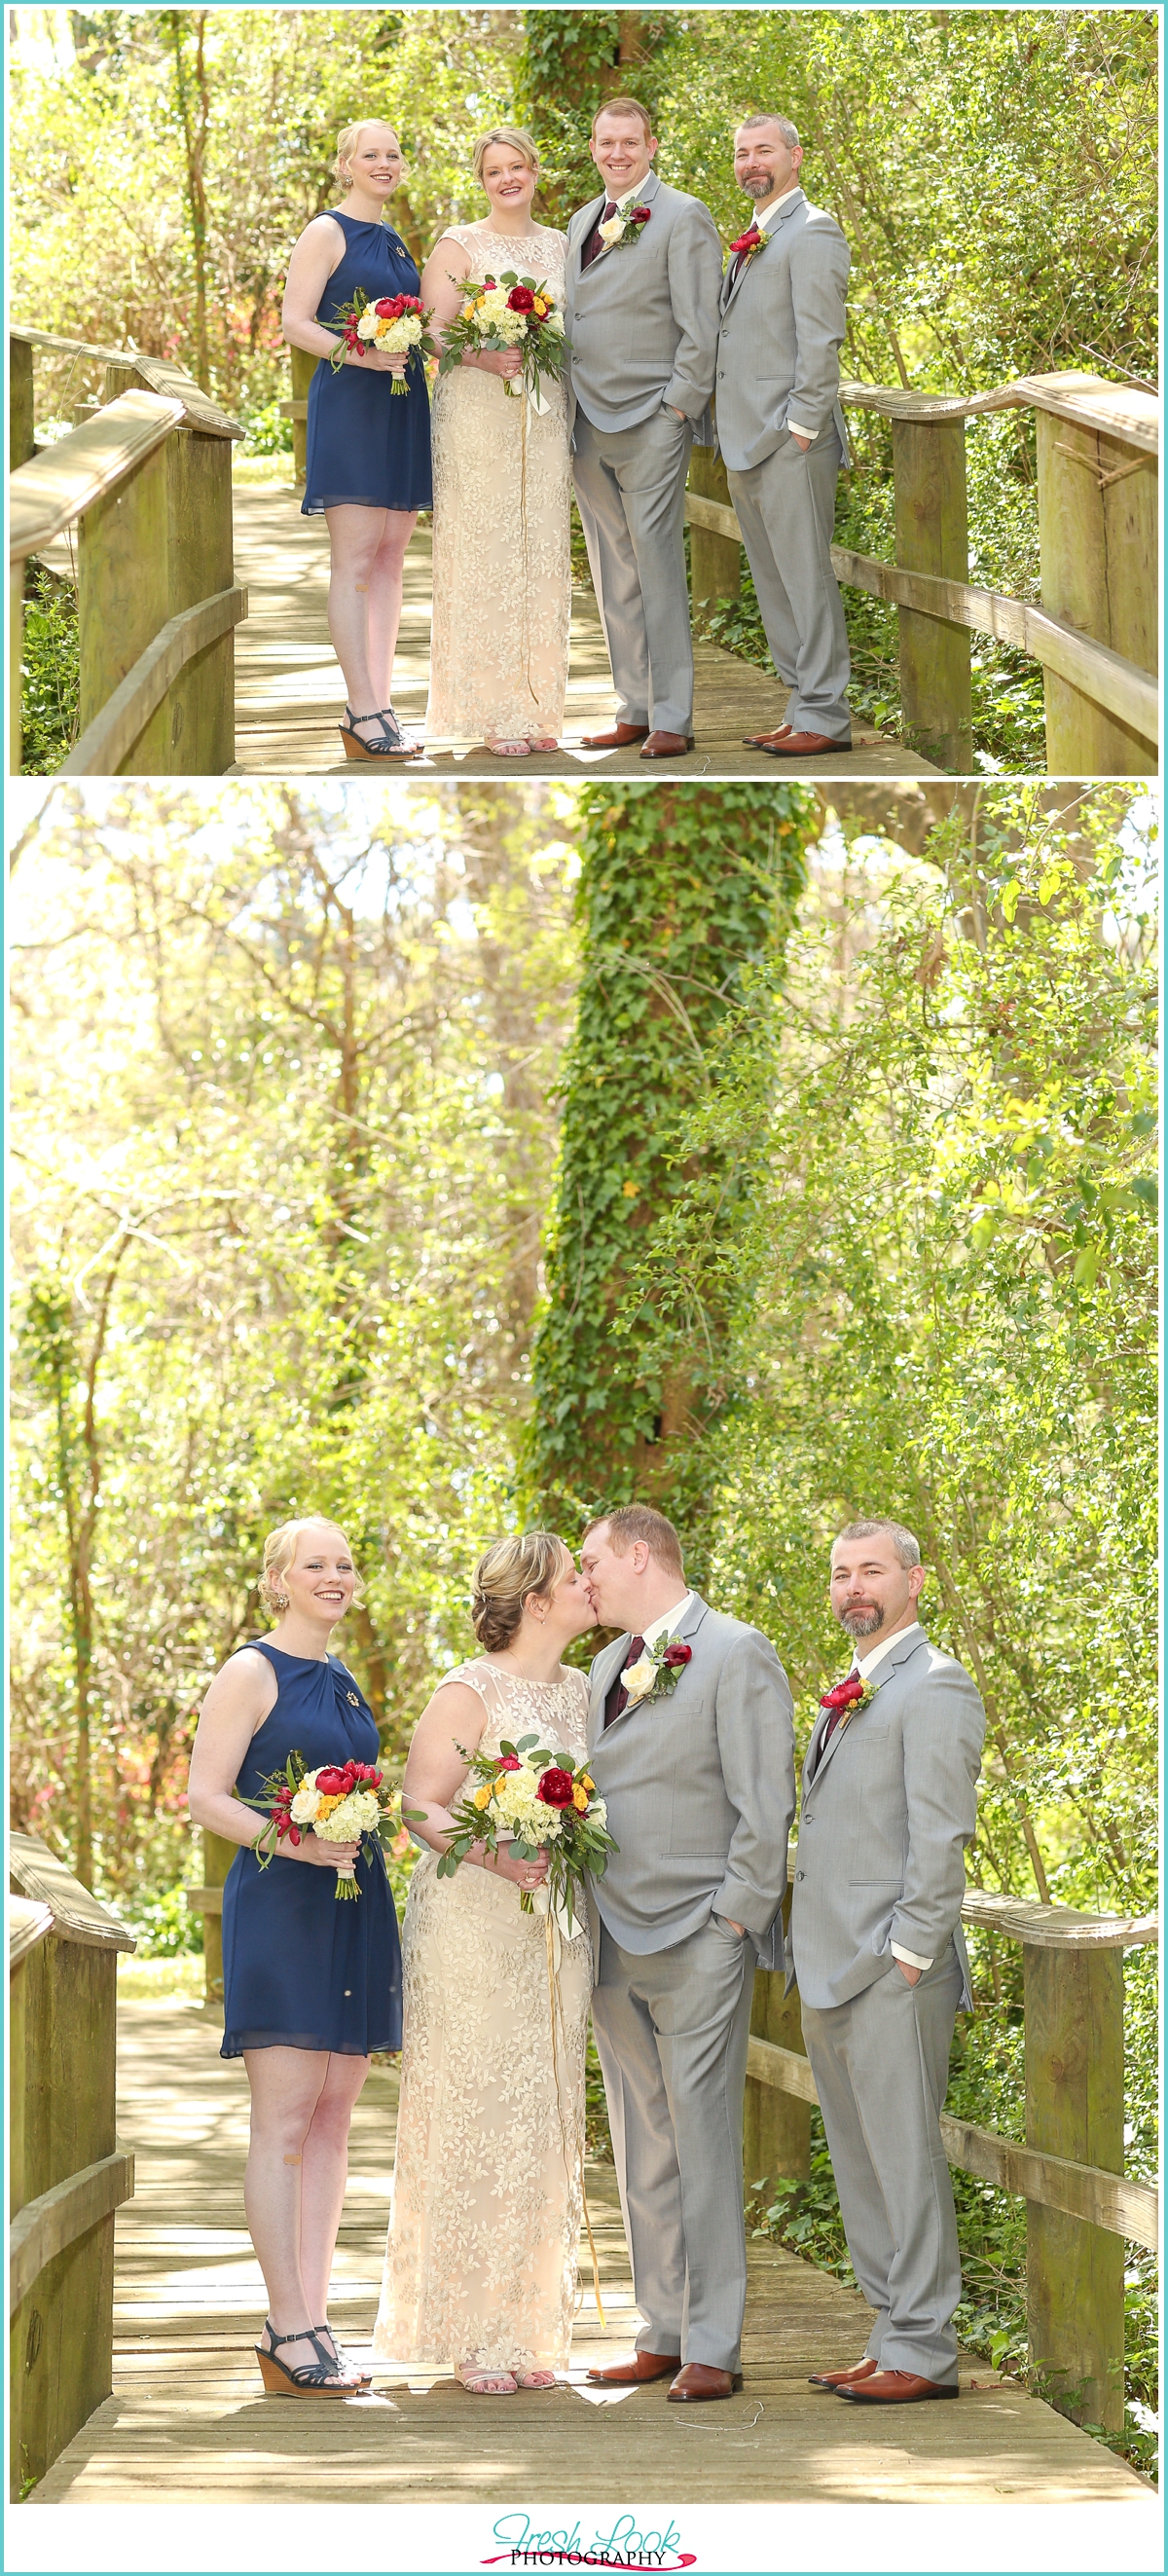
[502, 491]
[480, 2265]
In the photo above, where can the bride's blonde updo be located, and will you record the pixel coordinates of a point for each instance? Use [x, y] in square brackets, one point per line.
[511, 1570]
[511, 135]
[280, 1552]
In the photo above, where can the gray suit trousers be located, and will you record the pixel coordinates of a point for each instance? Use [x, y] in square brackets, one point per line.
[630, 488]
[786, 511]
[671, 2034]
[881, 2065]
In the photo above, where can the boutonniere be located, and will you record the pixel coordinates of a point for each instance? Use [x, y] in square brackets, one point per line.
[749, 244]
[657, 1671]
[620, 229]
[849, 1699]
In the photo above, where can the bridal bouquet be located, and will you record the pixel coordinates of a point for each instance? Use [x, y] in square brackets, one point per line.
[395, 325]
[510, 312]
[540, 1801]
[339, 1803]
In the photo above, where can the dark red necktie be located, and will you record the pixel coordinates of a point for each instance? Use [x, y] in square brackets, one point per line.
[592, 250]
[618, 1697]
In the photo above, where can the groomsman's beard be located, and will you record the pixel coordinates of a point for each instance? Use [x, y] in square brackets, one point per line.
[861, 1623]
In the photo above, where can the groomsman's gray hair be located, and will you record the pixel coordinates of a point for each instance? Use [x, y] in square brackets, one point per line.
[789, 132]
[906, 1546]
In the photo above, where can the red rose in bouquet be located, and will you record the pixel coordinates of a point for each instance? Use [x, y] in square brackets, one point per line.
[555, 1788]
[521, 300]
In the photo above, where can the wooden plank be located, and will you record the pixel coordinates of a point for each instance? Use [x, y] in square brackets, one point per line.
[715, 557]
[204, 1900]
[1125, 411]
[1073, 2006]
[1099, 543]
[82, 468]
[45, 2226]
[107, 741]
[21, 440]
[28, 1924]
[1081, 2191]
[1057, 1927]
[932, 537]
[67, 348]
[77, 1914]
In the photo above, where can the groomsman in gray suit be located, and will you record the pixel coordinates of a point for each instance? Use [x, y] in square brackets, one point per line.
[690, 1743]
[781, 430]
[644, 269]
[889, 1804]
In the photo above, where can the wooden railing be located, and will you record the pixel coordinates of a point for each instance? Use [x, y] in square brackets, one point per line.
[67, 2172]
[1097, 627]
[1079, 2204]
[145, 477]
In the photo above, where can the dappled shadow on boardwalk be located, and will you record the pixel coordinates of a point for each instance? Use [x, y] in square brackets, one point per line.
[187, 2413]
[289, 691]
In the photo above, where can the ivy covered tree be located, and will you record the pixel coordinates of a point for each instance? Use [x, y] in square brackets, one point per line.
[571, 60]
[681, 892]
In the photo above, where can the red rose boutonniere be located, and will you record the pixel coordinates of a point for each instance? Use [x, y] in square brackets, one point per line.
[849, 1699]
[657, 1671]
[749, 244]
[620, 229]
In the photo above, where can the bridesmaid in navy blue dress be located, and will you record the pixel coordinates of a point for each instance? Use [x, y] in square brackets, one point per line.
[311, 1986]
[368, 465]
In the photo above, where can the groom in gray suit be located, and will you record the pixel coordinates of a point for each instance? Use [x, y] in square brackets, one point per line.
[781, 430]
[889, 1804]
[690, 1744]
[643, 272]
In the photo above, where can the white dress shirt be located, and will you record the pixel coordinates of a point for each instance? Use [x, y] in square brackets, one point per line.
[866, 1666]
[669, 1621]
[764, 223]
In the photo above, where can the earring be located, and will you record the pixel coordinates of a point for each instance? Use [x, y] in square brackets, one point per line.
[281, 1600]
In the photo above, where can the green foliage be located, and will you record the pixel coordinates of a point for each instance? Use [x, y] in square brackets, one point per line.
[50, 672]
[680, 891]
[268, 432]
[571, 60]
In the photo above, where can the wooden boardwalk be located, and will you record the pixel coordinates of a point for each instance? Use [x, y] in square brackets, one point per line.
[188, 2418]
[289, 691]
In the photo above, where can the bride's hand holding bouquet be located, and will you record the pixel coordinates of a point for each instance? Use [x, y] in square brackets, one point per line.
[516, 322]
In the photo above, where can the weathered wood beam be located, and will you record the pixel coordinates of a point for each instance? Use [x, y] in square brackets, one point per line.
[1057, 1927]
[204, 1900]
[45, 2226]
[1120, 686]
[1106, 2200]
[112, 734]
[29, 1923]
[1122, 411]
[66, 479]
[77, 1913]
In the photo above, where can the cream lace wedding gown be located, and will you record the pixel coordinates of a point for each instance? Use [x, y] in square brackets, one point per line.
[480, 2265]
[502, 569]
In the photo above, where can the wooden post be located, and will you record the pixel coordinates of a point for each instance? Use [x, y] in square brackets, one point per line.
[776, 2135]
[1074, 2108]
[192, 733]
[304, 367]
[218, 1855]
[1099, 544]
[21, 435]
[715, 563]
[928, 467]
[123, 594]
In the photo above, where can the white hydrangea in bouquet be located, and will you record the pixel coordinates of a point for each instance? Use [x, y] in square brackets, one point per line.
[510, 312]
[538, 1800]
[395, 324]
[346, 1802]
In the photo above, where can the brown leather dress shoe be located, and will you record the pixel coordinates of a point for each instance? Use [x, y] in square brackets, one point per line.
[644, 2365]
[759, 741]
[667, 746]
[898, 2388]
[802, 746]
[617, 738]
[700, 2380]
[842, 2378]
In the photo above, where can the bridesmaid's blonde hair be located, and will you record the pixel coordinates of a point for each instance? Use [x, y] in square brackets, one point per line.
[511, 1570]
[511, 134]
[349, 138]
[279, 1554]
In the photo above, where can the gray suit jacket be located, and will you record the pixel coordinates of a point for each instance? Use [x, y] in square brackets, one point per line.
[643, 321]
[783, 323]
[884, 1827]
[700, 1788]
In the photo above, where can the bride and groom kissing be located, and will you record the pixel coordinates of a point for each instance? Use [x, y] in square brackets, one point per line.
[693, 1754]
[659, 336]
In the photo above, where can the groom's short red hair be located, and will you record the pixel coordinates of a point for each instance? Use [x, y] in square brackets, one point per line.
[624, 107]
[631, 1521]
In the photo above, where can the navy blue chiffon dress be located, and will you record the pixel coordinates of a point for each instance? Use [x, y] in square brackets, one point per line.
[302, 1968]
[366, 444]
